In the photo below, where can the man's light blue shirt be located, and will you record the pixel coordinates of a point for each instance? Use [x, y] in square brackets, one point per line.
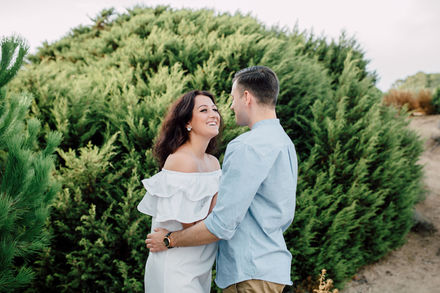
[256, 204]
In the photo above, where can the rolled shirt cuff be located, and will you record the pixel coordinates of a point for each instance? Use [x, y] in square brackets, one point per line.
[216, 227]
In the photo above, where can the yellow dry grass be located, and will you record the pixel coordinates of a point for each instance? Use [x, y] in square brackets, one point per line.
[325, 285]
[419, 102]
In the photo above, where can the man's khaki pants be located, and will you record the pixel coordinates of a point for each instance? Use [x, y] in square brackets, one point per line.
[255, 286]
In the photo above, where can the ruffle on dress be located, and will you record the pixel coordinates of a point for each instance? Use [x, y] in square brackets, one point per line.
[179, 196]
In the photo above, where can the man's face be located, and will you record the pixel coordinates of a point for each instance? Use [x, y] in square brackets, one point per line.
[238, 105]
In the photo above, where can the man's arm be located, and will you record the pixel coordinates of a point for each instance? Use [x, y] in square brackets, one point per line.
[155, 243]
[192, 236]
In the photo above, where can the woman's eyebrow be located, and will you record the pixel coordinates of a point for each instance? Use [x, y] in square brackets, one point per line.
[206, 106]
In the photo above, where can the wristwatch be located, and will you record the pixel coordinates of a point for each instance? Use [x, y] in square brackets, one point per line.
[167, 240]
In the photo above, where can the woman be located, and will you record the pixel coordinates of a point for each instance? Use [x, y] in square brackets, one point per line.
[183, 193]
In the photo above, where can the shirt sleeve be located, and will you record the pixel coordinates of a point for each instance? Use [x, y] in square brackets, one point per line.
[244, 169]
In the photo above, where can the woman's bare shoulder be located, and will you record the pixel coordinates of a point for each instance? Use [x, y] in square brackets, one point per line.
[214, 162]
[181, 162]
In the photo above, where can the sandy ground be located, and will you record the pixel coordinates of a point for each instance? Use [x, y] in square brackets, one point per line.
[414, 267]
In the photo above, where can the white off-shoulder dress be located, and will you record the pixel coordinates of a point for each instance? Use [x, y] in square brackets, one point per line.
[172, 198]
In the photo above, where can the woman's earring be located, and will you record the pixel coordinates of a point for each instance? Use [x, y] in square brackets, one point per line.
[188, 128]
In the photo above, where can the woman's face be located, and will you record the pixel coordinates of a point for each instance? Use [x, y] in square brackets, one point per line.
[205, 117]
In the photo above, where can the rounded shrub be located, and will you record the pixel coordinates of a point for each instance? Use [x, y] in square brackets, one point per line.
[106, 88]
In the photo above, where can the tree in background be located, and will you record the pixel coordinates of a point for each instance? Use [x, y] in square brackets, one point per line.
[106, 88]
[418, 81]
[26, 187]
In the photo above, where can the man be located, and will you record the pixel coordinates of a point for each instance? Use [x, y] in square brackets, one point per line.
[256, 198]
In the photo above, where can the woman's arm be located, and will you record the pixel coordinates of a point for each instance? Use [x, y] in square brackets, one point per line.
[187, 225]
[213, 202]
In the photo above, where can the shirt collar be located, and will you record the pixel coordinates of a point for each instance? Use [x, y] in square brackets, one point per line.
[260, 123]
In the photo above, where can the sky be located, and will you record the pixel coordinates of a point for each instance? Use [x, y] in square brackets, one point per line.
[399, 37]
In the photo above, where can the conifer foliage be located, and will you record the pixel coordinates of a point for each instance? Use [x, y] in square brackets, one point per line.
[26, 184]
[436, 101]
[106, 88]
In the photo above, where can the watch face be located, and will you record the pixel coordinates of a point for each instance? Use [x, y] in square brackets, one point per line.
[166, 241]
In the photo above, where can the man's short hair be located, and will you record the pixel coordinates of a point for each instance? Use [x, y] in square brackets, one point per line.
[261, 82]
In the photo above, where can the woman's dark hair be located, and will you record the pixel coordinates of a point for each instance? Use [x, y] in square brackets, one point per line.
[261, 81]
[173, 132]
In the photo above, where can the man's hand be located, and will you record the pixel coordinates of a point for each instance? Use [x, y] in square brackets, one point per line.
[154, 241]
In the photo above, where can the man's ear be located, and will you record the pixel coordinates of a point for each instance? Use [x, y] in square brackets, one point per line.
[247, 98]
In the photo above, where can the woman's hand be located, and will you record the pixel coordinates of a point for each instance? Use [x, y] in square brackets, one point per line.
[154, 240]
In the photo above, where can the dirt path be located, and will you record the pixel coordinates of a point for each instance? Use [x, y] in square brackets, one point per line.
[415, 267]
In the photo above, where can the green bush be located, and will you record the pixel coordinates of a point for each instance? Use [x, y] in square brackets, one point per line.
[106, 88]
[357, 188]
[26, 184]
[436, 101]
